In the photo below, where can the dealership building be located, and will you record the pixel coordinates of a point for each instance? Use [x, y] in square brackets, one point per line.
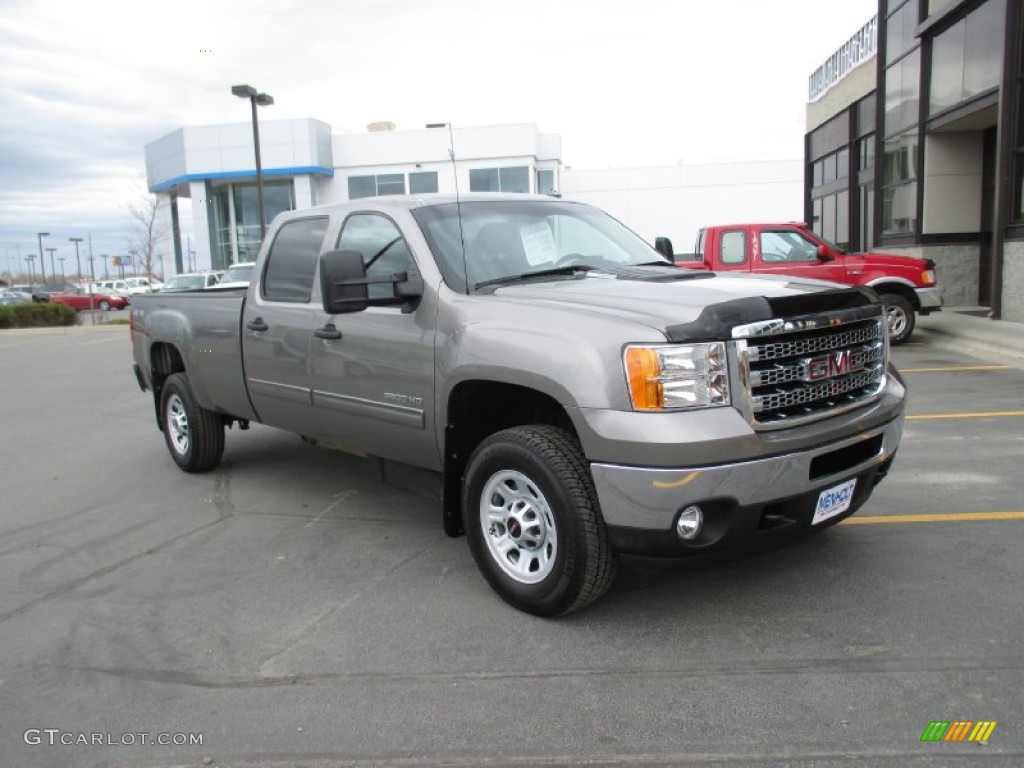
[305, 163]
[915, 144]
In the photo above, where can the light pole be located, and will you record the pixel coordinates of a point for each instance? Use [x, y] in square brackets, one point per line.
[31, 272]
[42, 268]
[105, 256]
[263, 100]
[63, 278]
[76, 241]
[53, 270]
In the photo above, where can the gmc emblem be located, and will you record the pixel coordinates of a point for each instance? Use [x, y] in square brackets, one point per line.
[831, 365]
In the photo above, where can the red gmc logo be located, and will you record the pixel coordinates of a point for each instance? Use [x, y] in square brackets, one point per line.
[831, 365]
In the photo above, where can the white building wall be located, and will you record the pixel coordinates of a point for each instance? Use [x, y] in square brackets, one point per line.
[677, 200]
[201, 209]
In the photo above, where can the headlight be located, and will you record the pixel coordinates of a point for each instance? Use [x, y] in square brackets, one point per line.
[677, 376]
[928, 277]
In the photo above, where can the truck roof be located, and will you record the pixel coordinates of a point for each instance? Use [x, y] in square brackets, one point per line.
[411, 202]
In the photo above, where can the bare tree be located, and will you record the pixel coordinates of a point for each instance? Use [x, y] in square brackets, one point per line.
[148, 230]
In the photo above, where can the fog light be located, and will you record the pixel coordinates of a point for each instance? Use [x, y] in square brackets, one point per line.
[689, 523]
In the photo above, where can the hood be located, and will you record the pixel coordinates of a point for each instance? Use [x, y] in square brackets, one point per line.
[683, 303]
[896, 261]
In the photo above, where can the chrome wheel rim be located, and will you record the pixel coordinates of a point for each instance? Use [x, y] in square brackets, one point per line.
[897, 319]
[177, 424]
[518, 526]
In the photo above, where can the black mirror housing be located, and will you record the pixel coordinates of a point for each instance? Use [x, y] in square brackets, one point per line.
[664, 246]
[343, 282]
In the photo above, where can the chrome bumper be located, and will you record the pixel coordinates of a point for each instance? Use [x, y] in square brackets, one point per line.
[650, 498]
[930, 298]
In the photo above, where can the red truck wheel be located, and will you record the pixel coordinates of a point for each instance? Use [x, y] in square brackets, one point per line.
[533, 522]
[900, 316]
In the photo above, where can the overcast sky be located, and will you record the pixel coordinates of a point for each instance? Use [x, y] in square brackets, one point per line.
[85, 85]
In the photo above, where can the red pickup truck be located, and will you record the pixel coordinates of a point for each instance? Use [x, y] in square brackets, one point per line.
[906, 284]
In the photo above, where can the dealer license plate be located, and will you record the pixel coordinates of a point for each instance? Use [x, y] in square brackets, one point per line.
[834, 501]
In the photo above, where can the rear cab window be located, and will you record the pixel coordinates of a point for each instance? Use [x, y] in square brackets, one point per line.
[292, 260]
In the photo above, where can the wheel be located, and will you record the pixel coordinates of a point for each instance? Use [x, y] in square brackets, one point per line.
[533, 522]
[104, 305]
[900, 316]
[195, 436]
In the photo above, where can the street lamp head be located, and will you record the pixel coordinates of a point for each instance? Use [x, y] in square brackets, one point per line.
[243, 91]
[43, 234]
[75, 239]
[264, 99]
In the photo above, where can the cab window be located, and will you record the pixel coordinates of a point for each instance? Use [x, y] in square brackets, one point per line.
[291, 262]
[787, 245]
[382, 246]
[732, 249]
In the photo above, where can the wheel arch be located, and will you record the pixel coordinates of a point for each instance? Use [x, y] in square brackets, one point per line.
[164, 360]
[477, 409]
[899, 288]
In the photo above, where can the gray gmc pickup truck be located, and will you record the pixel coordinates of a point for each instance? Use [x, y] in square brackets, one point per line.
[565, 392]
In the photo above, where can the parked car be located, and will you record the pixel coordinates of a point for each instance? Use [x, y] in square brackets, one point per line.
[23, 292]
[142, 285]
[191, 281]
[113, 288]
[80, 298]
[906, 284]
[237, 275]
[10, 297]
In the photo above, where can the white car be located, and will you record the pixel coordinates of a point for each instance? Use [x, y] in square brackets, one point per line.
[113, 287]
[190, 281]
[237, 275]
[142, 285]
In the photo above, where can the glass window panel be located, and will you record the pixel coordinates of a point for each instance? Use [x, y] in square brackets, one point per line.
[1018, 187]
[843, 164]
[867, 153]
[899, 209]
[900, 162]
[361, 186]
[818, 172]
[828, 218]
[816, 217]
[382, 245]
[935, 6]
[733, 247]
[516, 179]
[893, 84]
[867, 218]
[483, 180]
[423, 182]
[842, 238]
[292, 260]
[947, 76]
[545, 182]
[983, 48]
[391, 184]
[895, 43]
[911, 90]
[830, 169]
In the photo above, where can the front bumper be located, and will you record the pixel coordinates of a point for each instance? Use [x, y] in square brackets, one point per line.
[743, 501]
[930, 298]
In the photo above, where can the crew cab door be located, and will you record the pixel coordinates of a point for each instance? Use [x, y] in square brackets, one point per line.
[277, 327]
[373, 371]
[790, 251]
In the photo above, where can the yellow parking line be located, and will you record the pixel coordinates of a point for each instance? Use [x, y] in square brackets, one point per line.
[958, 368]
[982, 415]
[948, 517]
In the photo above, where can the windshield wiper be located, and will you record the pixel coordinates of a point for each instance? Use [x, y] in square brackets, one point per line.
[567, 270]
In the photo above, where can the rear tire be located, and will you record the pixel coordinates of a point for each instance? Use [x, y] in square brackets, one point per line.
[899, 314]
[533, 521]
[194, 435]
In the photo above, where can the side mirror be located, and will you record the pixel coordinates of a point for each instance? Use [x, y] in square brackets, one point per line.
[824, 254]
[664, 246]
[343, 282]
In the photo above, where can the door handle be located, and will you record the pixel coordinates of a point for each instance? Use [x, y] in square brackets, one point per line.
[328, 332]
[257, 325]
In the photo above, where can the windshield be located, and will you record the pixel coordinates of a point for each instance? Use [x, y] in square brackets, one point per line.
[237, 273]
[508, 239]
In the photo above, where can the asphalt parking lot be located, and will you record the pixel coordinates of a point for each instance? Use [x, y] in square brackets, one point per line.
[291, 611]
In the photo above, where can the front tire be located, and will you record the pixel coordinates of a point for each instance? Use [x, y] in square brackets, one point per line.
[104, 305]
[194, 435]
[899, 314]
[533, 521]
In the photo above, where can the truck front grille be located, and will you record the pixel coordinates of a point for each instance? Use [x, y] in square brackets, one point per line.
[803, 371]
